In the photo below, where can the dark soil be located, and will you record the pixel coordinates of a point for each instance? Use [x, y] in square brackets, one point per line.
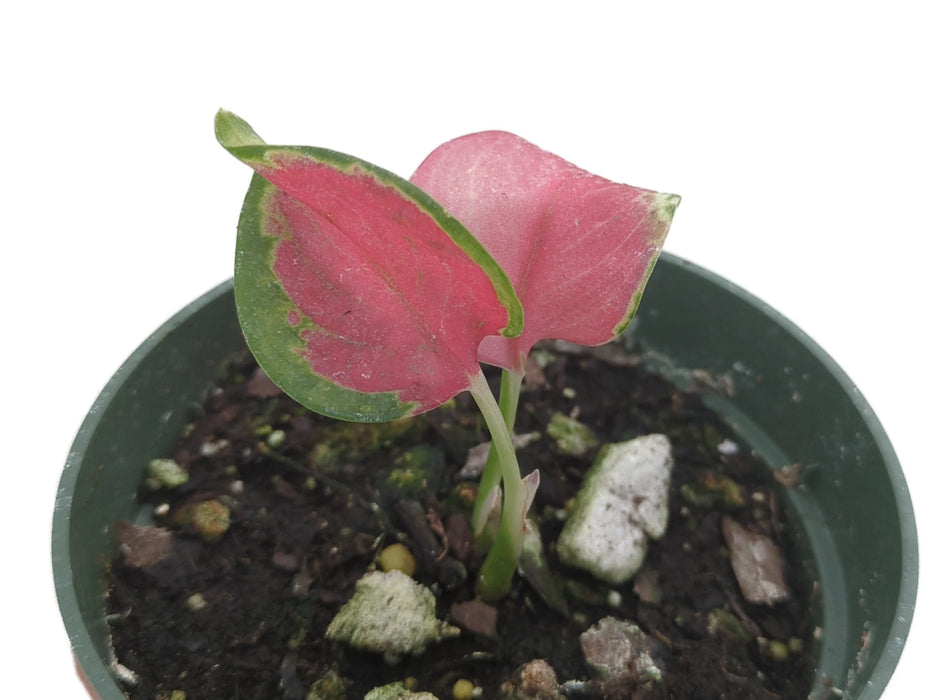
[311, 506]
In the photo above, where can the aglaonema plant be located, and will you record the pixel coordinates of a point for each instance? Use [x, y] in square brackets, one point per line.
[369, 297]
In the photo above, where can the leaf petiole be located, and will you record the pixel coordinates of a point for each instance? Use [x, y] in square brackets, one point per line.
[495, 577]
[492, 473]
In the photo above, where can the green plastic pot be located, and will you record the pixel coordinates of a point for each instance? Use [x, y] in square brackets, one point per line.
[788, 400]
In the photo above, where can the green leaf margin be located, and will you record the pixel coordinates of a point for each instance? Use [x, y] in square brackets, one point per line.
[662, 209]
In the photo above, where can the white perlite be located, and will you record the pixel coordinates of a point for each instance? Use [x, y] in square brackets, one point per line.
[390, 614]
[622, 502]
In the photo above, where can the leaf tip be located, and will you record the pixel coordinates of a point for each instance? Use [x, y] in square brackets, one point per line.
[665, 205]
[232, 131]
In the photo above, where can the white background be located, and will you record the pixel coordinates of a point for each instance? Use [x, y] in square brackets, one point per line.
[798, 135]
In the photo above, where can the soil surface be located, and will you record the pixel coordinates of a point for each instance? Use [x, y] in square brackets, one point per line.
[283, 511]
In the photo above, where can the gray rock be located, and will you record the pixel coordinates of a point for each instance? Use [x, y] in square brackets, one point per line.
[618, 651]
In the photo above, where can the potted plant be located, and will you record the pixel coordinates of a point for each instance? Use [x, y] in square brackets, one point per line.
[785, 399]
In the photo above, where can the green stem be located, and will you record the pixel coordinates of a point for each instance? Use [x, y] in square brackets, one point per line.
[508, 396]
[492, 473]
[495, 577]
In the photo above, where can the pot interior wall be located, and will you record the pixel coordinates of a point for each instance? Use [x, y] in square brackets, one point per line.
[785, 398]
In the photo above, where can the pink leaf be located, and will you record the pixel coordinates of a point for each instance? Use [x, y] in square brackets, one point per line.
[357, 293]
[577, 247]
